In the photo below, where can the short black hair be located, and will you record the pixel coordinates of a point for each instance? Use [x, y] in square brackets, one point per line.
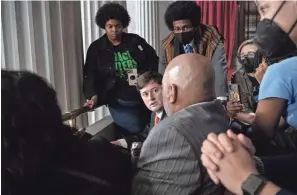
[147, 77]
[110, 11]
[182, 10]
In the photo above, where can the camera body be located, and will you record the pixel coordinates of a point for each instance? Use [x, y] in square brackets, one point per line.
[132, 76]
[135, 152]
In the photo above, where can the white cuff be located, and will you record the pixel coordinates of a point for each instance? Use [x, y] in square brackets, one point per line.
[222, 98]
[123, 143]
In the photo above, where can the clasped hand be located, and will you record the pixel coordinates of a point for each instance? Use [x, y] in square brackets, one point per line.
[228, 159]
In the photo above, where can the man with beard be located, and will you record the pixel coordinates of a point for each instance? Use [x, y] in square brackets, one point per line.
[190, 36]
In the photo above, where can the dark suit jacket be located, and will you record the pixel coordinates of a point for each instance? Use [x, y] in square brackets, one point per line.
[143, 135]
[95, 158]
[169, 161]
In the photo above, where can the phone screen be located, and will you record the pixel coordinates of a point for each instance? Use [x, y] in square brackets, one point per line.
[234, 92]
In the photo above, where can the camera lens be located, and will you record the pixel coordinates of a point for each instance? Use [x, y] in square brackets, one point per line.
[132, 77]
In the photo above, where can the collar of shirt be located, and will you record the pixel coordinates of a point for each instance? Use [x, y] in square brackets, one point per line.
[159, 114]
[192, 44]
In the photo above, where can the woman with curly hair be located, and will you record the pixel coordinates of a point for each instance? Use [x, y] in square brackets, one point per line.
[188, 35]
[112, 64]
[40, 155]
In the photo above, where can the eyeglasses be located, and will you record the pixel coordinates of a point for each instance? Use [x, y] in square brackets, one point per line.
[247, 55]
[182, 29]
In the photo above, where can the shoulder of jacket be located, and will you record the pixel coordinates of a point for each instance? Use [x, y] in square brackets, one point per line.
[97, 43]
[212, 30]
[206, 27]
[211, 27]
[133, 37]
[167, 40]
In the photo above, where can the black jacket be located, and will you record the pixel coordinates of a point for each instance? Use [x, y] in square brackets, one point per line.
[98, 159]
[143, 135]
[99, 71]
[245, 89]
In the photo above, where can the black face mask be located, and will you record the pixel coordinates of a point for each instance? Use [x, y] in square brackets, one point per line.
[273, 42]
[251, 61]
[185, 37]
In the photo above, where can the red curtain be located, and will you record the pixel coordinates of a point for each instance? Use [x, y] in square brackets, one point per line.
[223, 15]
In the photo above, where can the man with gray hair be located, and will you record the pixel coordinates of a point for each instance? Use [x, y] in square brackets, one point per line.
[169, 162]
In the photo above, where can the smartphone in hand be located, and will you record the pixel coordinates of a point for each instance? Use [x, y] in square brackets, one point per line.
[233, 90]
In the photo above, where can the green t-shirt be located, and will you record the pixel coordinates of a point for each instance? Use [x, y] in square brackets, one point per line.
[124, 62]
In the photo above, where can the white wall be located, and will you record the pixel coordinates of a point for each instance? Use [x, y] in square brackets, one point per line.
[160, 24]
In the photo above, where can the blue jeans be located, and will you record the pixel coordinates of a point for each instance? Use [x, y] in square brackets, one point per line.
[131, 117]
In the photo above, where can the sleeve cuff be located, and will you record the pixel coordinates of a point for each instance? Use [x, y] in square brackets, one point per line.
[222, 98]
[259, 165]
[123, 143]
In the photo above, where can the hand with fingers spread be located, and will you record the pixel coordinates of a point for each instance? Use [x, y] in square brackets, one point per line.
[233, 108]
[227, 160]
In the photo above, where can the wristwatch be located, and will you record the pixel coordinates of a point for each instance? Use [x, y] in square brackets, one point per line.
[253, 184]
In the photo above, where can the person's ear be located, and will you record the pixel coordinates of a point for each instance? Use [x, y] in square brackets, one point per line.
[172, 94]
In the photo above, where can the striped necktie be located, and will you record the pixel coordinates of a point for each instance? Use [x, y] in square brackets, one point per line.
[189, 49]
